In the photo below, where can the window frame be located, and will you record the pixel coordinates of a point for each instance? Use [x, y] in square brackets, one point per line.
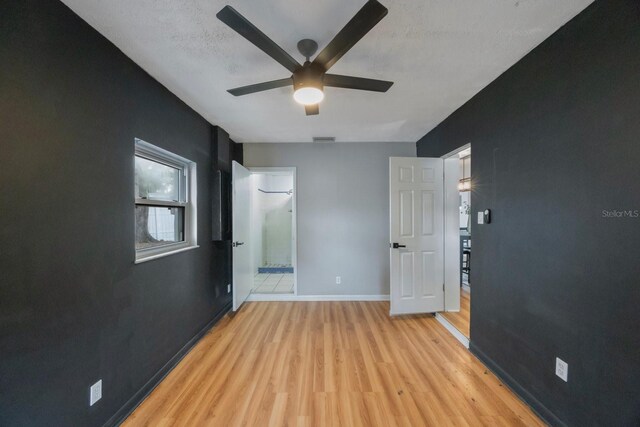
[187, 199]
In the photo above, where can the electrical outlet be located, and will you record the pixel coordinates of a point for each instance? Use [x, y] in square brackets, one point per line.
[229, 288]
[562, 369]
[95, 393]
[338, 280]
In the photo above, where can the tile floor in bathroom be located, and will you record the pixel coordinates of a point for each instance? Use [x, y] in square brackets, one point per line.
[266, 283]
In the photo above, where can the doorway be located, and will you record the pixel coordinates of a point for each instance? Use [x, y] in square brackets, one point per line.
[461, 320]
[273, 231]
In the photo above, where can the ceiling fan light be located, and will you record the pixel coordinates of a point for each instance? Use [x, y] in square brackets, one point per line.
[308, 95]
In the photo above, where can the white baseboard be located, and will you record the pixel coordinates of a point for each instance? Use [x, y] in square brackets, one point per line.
[449, 327]
[291, 297]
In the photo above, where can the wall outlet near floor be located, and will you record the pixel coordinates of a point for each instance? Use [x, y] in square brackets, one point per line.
[95, 393]
[562, 369]
[229, 288]
[338, 280]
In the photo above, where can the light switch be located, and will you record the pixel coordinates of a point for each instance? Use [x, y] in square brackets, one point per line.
[480, 217]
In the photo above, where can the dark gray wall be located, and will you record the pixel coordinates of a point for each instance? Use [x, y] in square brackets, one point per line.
[73, 306]
[555, 141]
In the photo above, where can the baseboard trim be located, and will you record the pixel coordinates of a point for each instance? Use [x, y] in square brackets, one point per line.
[536, 406]
[291, 297]
[452, 329]
[135, 401]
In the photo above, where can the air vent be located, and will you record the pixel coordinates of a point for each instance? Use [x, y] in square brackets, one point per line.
[324, 139]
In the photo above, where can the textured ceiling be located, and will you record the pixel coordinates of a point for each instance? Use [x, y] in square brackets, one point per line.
[439, 53]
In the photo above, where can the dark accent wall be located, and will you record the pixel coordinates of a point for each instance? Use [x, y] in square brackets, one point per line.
[555, 142]
[225, 151]
[73, 306]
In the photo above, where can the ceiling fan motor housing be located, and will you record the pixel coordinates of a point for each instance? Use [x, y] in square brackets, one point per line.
[309, 75]
[307, 48]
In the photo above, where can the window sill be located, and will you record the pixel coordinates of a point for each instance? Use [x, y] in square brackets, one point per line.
[164, 254]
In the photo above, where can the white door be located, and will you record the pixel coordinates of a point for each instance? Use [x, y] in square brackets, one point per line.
[416, 198]
[241, 199]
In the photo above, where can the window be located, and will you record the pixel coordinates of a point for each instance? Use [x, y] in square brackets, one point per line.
[165, 202]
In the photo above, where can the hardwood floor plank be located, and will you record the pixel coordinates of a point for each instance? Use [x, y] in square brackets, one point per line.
[461, 320]
[330, 364]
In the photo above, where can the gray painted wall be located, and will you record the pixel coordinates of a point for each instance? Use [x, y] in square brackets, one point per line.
[343, 212]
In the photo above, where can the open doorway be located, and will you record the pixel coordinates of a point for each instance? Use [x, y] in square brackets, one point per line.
[461, 320]
[273, 230]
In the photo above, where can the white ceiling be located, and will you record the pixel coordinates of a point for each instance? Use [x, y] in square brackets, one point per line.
[439, 53]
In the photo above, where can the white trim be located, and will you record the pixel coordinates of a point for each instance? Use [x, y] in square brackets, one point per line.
[452, 244]
[159, 154]
[291, 297]
[153, 202]
[287, 170]
[456, 151]
[451, 235]
[452, 329]
[164, 254]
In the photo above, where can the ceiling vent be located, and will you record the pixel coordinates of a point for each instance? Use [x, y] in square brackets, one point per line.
[324, 139]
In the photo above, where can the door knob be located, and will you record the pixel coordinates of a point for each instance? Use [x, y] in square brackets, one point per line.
[396, 246]
[234, 244]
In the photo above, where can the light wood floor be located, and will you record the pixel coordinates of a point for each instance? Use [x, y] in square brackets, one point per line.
[461, 320]
[329, 364]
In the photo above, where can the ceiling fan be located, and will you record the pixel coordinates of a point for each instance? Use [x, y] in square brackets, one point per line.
[309, 79]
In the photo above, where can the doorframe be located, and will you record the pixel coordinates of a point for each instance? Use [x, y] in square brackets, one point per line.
[294, 222]
[452, 240]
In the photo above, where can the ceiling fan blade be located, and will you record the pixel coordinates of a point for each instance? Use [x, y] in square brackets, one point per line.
[246, 29]
[312, 110]
[259, 87]
[349, 82]
[366, 18]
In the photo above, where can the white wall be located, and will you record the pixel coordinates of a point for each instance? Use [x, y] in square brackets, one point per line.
[342, 212]
[271, 216]
[257, 181]
[276, 220]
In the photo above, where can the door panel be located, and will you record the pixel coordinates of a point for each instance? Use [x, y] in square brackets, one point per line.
[428, 174]
[406, 174]
[241, 212]
[428, 213]
[406, 213]
[416, 203]
[429, 276]
[407, 278]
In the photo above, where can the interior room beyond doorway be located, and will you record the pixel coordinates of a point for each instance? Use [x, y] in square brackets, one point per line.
[273, 230]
